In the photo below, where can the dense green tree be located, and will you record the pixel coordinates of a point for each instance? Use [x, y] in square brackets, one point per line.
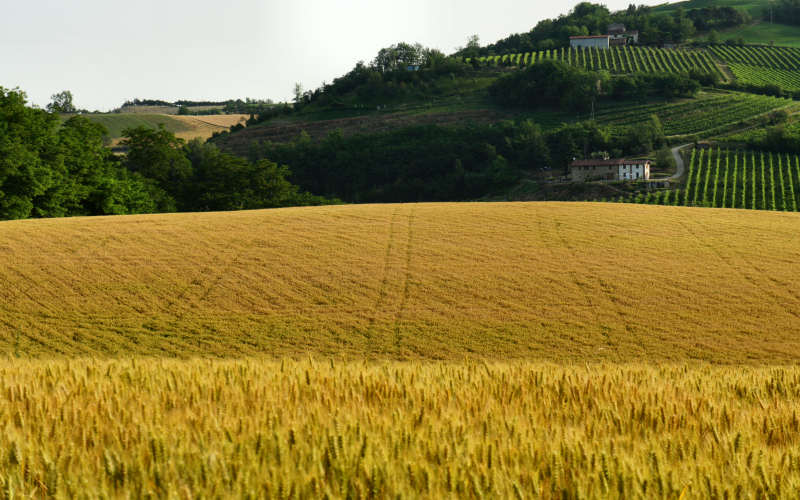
[222, 181]
[158, 155]
[551, 84]
[95, 183]
[400, 56]
[786, 11]
[61, 103]
[30, 161]
[47, 170]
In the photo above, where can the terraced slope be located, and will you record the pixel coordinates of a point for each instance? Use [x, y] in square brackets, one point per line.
[762, 65]
[551, 281]
[616, 59]
[709, 112]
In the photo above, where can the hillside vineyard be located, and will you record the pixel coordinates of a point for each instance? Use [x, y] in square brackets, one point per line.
[735, 179]
[616, 59]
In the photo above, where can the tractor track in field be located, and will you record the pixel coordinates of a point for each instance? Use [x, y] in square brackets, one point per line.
[738, 271]
[406, 280]
[384, 286]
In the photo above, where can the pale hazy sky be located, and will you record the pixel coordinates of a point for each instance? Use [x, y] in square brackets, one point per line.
[107, 51]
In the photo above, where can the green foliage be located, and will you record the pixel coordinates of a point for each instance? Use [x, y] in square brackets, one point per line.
[221, 181]
[158, 155]
[52, 171]
[665, 160]
[787, 11]
[782, 138]
[593, 19]
[556, 84]
[411, 164]
[61, 103]
[438, 163]
[95, 183]
[550, 83]
[30, 163]
[389, 80]
[47, 170]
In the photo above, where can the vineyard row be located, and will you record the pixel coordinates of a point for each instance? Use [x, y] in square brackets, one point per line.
[616, 59]
[723, 179]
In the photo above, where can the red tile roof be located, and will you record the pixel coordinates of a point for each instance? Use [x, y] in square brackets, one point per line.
[606, 163]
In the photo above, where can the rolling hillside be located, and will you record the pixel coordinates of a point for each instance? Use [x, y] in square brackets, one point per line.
[430, 281]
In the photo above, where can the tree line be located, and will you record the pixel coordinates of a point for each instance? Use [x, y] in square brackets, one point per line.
[593, 19]
[54, 169]
[555, 84]
[446, 163]
[784, 11]
[400, 71]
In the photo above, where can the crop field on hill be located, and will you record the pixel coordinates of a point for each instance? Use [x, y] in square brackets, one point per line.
[286, 131]
[115, 123]
[617, 59]
[710, 111]
[401, 351]
[185, 127]
[754, 75]
[752, 180]
[260, 429]
[550, 281]
[784, 58]
[762, 65]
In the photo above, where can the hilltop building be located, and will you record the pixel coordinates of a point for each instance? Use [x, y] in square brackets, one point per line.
[617, 36]
[609, 170]
[590, 42]
[616, 29]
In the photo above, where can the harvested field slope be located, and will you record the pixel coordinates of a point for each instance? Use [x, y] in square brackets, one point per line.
[284, 132]
[551, 281]
[185, 127]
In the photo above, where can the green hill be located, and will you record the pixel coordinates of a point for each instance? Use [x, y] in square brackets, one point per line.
[753, 7]
[764, 33]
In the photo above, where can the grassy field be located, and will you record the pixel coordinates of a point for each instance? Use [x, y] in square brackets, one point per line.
[261, 429]
[185, 127]
[764, 33]
[560, 282]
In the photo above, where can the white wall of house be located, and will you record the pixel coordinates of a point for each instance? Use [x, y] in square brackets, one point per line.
[634, 171]
[586, 43]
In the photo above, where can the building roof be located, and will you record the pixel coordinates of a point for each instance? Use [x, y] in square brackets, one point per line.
[588, 37]
[606, 163]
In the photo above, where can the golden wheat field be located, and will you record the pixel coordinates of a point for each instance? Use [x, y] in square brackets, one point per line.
[509, 350]
[545, 281]
[269, 429]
